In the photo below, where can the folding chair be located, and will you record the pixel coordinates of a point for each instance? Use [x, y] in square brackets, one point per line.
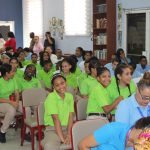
[84, 128]
[32, 98]
[81, 107]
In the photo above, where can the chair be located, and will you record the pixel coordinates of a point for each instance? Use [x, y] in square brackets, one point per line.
[32, 98]
[84, 128]
[81, 109]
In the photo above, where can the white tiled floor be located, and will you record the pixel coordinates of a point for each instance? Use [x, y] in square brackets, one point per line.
[13, 142]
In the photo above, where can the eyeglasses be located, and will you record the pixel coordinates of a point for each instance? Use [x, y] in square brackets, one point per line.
[147, 98]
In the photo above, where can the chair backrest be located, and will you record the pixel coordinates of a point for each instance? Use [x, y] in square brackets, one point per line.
[40, 112]
[84, 128]
[81, 109]
[71, 90]
[32, 97]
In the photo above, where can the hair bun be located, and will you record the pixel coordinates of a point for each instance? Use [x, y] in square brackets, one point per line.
[146, 76]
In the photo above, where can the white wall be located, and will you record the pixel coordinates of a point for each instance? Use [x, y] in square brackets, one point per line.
[55, 8]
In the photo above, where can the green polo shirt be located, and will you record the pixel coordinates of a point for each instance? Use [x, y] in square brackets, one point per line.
[54, 104]
[77, 71]
[25, 63]
[71, 80]
[33, 83]
[98, 98]
[46, 77]
[124, 91]
[81, 78]
[18, 77]
[87, 85]
[7, 87]
[37, 66]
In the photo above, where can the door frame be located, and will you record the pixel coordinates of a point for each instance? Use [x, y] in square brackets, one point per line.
[147, 30]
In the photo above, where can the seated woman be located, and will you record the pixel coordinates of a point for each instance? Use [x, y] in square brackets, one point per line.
[122, 86]
[58, 117]
[136, 106]
[115, 136]
[46, 74]
[7, 106]
[120, 54]
[99, 101]
[68, 70]
[29, 80]
[90, 82]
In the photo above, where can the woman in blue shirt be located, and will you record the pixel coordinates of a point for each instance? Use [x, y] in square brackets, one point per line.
[114, 136]
[136, 106]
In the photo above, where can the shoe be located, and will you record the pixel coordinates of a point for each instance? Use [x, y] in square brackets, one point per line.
[27, 137]
[2, 137]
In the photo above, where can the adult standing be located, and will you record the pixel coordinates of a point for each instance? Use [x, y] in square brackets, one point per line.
[49, 41]
[32, 41]
[38, 47]
[11, 42]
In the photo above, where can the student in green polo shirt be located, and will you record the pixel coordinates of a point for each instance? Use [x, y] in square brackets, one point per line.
[7, 106]
[122, 85]
[68, 68]
[99, 100]
[83, 75]
[34, 58]
[43, 57]
[30, 80]
[18, 73]
[90, 82]
[58, 116]
[46, 74]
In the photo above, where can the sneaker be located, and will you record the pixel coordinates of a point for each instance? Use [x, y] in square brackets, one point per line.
[27, 137]
[2, 137]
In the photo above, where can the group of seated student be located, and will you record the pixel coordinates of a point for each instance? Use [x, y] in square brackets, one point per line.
[109, 90]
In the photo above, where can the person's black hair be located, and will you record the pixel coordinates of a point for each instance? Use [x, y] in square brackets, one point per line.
[34, 54]
[70, 61]
[133, 65]
[119, 70]
[119, 50]
[28, 66]
[142, 123]
[115, 60]
[55, 76]
[26, 49]
[74, 58]
[9, 55]
[5, 68]
[41, 58]
[94, 58]
[1, 35]
[8, 48]
[101, 70]
[81, 49]
[14, 58]
[86, 52]
[93, 63]
[47, 62]
[47, 33]
[11, 35]
[143, 57]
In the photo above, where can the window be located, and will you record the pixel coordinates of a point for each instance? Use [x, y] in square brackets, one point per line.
[32, 19]
[77, 15]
